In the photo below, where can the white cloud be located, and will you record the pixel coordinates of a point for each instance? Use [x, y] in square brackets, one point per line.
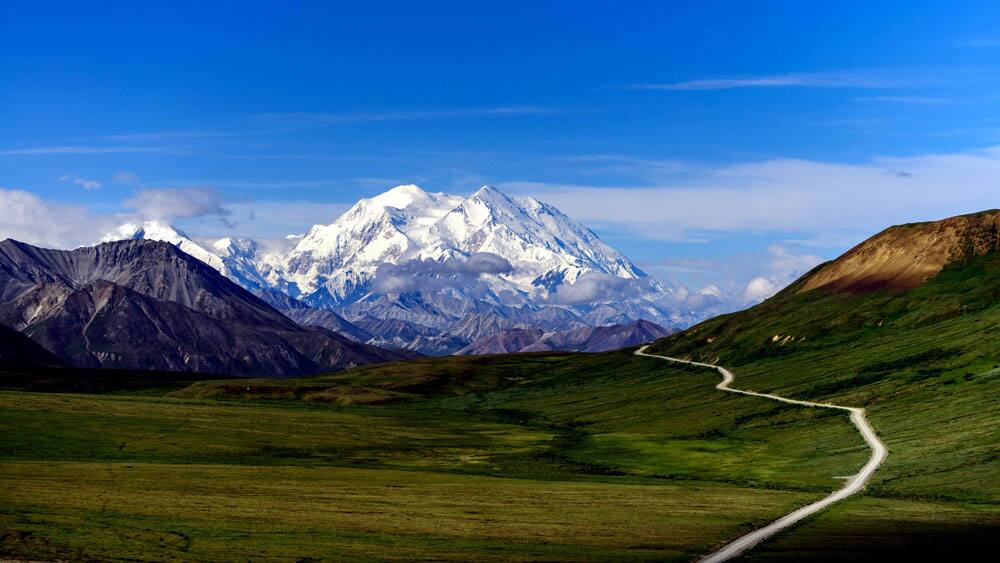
[374, 117]
[28, 218]
[589, 288]
[738, 280]
[126, 177]
[807, 79]
[782, 268]
[913, 100]
[759, 289]
[177, 203]
[77, 149]
[432, 275]
[80, 181]
[789, 196]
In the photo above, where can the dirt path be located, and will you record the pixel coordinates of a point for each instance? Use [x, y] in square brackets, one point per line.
[853, 485]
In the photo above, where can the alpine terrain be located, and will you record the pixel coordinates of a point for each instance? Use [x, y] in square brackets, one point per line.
[584, 339]
[434, 272]
[148, 305]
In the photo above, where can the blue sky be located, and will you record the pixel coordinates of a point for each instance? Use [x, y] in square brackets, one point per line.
[708, 141]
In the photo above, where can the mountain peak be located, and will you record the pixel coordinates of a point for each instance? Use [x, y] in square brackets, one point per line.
[152, 229]
[401, 197]
[517, 205]
[490, 193]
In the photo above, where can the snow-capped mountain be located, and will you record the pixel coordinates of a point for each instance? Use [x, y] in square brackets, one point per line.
[448, 268]
[241, 260]
[334, 264]
[158, 230]
[544, 246]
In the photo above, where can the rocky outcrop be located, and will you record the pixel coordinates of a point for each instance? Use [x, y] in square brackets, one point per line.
[143, 304]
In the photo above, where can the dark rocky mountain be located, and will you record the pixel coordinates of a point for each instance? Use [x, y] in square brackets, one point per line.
[583, 339]
[143, 304]
[20, 353]
[305, 315]
[399, 334]
[507, 342]
[604, 338]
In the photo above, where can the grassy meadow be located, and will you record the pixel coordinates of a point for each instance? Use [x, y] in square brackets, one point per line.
[533, 457]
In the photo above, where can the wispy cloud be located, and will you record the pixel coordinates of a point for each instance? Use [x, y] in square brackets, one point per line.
[981, 42]
[616, 166]
[85, 183]
[166, 136]
[82, 149]
[126, 177]
[912, 100]
[245, 184]
[374, 117]
[216, 152]
[660, 164]
[800, 80]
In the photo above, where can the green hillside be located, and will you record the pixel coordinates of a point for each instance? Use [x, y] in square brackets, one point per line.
[924, 362]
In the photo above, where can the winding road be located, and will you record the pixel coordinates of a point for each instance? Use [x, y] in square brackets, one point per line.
[853, 485]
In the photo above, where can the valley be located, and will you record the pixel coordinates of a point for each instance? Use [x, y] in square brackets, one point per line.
[523, 457]
[477, 461]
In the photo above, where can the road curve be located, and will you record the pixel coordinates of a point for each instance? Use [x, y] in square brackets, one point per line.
[853, 485]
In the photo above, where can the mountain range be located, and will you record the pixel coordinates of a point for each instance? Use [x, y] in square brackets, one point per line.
[584, 339]
[148, 305]
[433, 272]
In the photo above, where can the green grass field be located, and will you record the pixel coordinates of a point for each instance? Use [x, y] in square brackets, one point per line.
[538, 457]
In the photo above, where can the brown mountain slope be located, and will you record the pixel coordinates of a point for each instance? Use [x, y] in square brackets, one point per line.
[903, 257]
[904, 278]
